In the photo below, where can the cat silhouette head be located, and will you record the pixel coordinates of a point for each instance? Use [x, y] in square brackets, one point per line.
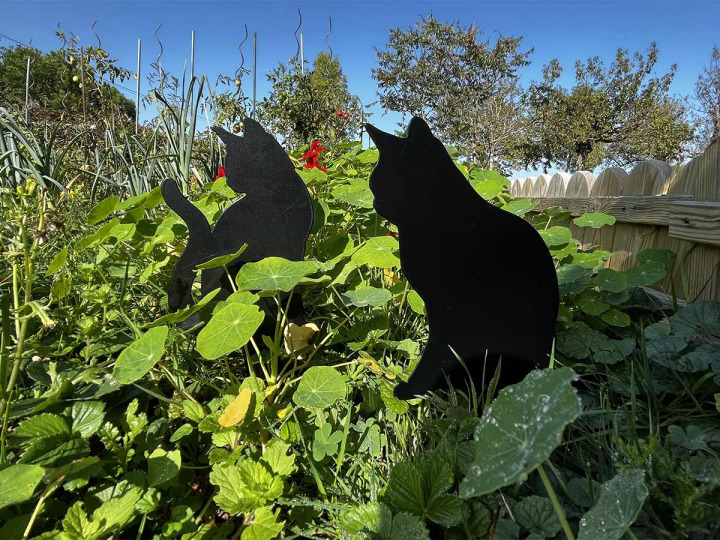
[412, 173]
[253, 158]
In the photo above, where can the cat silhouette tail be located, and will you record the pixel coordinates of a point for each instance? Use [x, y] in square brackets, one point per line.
[429, 374]
[195, 220]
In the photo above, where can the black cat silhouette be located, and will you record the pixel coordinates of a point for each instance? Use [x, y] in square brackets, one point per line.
[274, 218]
[486, 276]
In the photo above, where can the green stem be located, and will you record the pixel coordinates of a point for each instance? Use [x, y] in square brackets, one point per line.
[556, 504]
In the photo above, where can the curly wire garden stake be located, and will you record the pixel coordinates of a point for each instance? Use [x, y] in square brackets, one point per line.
[297, 40]
[327, 37]
[240, 71]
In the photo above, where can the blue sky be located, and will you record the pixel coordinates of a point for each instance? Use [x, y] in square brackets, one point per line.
[568, 30]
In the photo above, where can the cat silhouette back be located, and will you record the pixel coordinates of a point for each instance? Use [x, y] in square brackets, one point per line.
[274, 217]
[486, 276]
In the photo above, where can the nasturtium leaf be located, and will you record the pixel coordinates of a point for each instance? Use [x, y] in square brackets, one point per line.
[537, 514]
[415, 302]
[273, 274]
[590, 302]
[264, 525]
[39, 426]
[698, 359]
[593, 260]
[320, 387]
[87, 417]
[594, 220]
[565, 250]
[140, 356]
[163, 466]
[57, 263]
[556, 236]
[619, 503]
[245, 486]
[487, 174]
[368, 296]
[18, 483]
[645, 274]
[102, 209]
[378, 251]
[228, 330]
[487, 189]
[573, 279]
[357, 193]
[665, 350]
[222, 260]
[237, 410]
[520, 429]
[611, 280]
[520, 207]
[617, 318]
[655, 256]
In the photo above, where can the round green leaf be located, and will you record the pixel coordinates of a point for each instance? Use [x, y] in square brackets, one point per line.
[320, 387]
[620, 501]
[594, 220]
[615, 317]
[379, 252]
[520, 207]
[228, 330]
[142, 354]
[556, 236]
[356, 194]
[368, 296]
[645, 274]
[573, 279]
[591, 303]
[487, 188]
[520, 429]
[102, 209]
[273, 274]
[610, 280]
[655, 256]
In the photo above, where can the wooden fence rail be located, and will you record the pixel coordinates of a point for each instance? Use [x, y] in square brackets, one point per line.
[655, 206]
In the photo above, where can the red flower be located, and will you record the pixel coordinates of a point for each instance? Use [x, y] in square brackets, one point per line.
[221, 172]
[312, 155]
[392, 233]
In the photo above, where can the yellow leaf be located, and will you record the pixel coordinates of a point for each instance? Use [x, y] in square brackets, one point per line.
[391, 278]
[282, 413]
[298, 337]
[237, 410]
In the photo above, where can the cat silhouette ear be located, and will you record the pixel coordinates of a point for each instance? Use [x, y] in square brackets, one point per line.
[383, 141]
[251, 127]
[226, 137]
[418, 128]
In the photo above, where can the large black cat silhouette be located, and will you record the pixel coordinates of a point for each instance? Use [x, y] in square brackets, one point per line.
[274, 218]
[486, 276]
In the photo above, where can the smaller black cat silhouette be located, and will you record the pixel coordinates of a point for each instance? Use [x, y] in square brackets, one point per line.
[274, 218]
[486, 276]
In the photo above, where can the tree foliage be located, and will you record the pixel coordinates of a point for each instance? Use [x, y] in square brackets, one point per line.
[707, 93]
[304, 105]
[75, 83]
[617, 114]
[465, 87]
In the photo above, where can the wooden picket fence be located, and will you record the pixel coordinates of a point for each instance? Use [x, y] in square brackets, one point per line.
[655, 206]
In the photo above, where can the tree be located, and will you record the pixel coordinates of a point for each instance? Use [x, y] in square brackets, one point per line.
[707, 93]
[312, 105]
[69, 83]
[465, 88]
[618, 115]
